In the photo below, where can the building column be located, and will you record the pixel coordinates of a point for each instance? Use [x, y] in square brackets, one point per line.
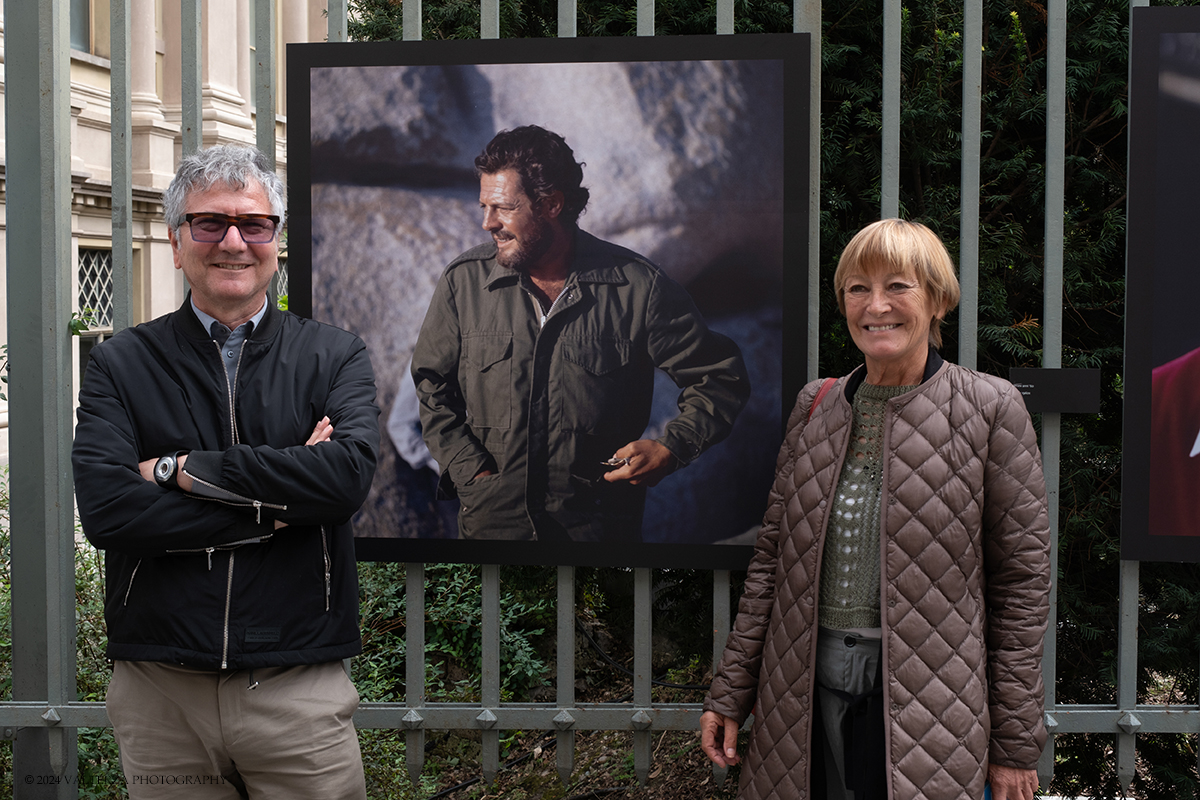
[225, 120]
[153, 140]
[245, 63]
[293, 16]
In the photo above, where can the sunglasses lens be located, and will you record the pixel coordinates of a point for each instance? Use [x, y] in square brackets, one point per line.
[256, 231]
[211, 228]
[208, 229]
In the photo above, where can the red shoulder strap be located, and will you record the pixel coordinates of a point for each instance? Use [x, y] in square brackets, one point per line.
[824, 390]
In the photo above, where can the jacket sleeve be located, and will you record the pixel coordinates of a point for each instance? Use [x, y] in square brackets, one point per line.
[308, 485]
[705, 365]
[1017, 564]
[443, 408]
[734, 689]
[121, 510]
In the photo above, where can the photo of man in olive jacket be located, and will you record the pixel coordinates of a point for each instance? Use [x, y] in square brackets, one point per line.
[535, 363]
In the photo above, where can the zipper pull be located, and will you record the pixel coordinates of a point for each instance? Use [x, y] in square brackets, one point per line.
[209, 550]
[257, 512]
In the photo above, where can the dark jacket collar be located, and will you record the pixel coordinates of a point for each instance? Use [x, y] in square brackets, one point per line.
[933, 362]
[185, 322]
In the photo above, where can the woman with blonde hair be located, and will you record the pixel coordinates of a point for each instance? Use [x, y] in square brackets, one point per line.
[889, 640]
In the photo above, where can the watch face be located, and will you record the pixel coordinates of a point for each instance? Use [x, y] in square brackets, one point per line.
[164, 468]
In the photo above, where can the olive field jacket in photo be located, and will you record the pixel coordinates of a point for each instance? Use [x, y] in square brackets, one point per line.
[543, 405]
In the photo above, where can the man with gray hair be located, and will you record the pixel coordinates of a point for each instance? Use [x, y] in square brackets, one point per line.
[220, 453]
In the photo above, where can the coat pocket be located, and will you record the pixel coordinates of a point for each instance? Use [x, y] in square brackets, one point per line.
[486, 379]
[600, 390]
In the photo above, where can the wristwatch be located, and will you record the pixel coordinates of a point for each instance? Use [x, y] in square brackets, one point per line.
[166, 469]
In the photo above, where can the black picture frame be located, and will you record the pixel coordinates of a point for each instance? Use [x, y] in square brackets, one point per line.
[363, 165]
[1162, 280]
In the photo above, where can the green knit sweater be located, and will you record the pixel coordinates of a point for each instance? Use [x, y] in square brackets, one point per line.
[850, 565]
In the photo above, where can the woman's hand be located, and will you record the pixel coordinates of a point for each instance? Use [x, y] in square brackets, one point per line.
[1008, 783]
[718, 738]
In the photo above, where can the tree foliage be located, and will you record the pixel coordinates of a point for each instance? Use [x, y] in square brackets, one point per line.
[1011, 310]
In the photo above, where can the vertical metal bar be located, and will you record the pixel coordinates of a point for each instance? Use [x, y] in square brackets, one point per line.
[414, 668]
[122, 165]
[645, 17]
[724, 16]
[489, 19]
[1051, 448]
[264, 77]
[41, 516]
[968, 252]
[889, 180]
[336, 11]
[565, 683]
[1056, 126]
[189, 57]
[1053, 313]
[490, 668]
[643, 612]
[806, 18]
[568, 19]
[411, 21]
[1127, 659]
[721, 616]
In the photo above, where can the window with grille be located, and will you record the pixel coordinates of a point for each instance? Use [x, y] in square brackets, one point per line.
[95, 300]
[96, 286]
[280, 281]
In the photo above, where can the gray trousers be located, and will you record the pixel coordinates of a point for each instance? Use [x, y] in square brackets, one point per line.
[846, 662]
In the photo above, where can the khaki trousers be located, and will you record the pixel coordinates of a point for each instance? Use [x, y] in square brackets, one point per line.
[280, 732]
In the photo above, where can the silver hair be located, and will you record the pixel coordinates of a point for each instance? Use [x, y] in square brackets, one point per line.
[227, 165]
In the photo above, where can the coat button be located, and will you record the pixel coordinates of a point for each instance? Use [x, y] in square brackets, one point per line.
[850, 641]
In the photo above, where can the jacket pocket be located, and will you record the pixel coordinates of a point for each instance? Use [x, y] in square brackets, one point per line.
[599, 389]
[486, 379]
[129, 588]
[493, 507]
[600, 357]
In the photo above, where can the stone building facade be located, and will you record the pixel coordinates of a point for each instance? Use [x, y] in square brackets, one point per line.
[227, 68]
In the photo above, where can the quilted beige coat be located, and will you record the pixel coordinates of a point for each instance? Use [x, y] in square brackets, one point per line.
[964, 591]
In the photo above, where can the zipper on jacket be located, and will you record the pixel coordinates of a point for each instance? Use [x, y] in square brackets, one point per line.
[134, 575]
[229, 387]
[227, 546]
[257, 505]
[325, 553]
[228, 602]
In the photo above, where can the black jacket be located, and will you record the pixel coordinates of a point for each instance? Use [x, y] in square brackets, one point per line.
[212, 583]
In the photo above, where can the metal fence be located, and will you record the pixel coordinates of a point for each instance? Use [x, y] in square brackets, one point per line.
[43, 717]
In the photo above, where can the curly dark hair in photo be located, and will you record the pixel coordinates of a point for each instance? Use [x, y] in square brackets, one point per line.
[545, 163]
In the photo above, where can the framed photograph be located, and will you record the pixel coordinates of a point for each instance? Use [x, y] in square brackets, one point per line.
[1160, 486]
[694, 154]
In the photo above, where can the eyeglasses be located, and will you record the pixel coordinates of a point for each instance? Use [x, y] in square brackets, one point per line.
[211, 228]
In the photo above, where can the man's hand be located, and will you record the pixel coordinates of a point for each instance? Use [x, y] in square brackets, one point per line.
[718, 738]
[1009, 783]
[648, 463]
[321, 433]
